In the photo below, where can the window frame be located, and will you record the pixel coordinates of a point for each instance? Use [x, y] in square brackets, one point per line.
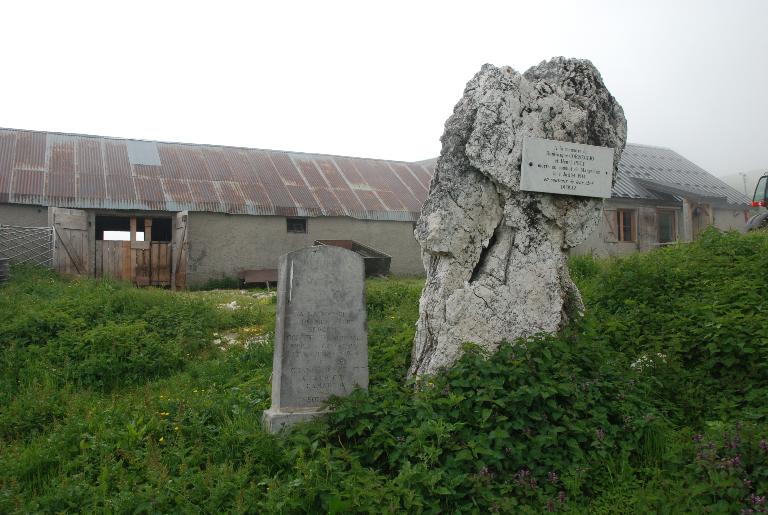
[672, 212]
[760, 197]
[620, 225]
[304, 225]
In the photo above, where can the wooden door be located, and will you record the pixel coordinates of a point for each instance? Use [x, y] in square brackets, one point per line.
[113, 259]
[161, 264]
[72, 248]
[179, 253]
[143, 263]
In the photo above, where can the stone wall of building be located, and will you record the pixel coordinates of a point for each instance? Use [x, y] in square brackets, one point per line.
[221, 245]
[730, 219]
[23, 215]
[602, 243]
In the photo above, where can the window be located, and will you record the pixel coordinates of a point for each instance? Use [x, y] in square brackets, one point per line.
[115, 228]
[298, 225]
[667, 226]
[118, 228]
[759, 200]
[162, 229]
[626, 224]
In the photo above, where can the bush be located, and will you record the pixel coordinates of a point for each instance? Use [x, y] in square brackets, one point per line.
[695, 318]
[583, 267]
[500, 432]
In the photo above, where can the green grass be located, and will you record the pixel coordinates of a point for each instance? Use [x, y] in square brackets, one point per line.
[141, 401]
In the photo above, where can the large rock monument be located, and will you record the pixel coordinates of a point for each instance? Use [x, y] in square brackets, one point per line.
[495, 255]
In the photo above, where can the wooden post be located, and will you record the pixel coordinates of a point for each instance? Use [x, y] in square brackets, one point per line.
[92, 244]
[133, 229]
[148, 241]
[133, 252]
[687, 221]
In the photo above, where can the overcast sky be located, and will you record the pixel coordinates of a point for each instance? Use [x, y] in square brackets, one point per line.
[377, 79]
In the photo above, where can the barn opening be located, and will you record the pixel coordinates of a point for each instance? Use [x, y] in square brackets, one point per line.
[118, 228]
[134, 248]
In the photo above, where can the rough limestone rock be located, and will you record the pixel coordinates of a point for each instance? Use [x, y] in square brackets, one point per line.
[495, 256]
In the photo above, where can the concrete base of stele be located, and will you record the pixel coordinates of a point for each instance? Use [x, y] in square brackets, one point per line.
[275, 421]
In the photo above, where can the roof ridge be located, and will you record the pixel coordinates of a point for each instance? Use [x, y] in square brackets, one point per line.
[210, 145]
[649, 146]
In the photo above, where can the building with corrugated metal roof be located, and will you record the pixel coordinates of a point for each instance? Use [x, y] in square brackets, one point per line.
[661, 197]
[227, 209]
[198, 212]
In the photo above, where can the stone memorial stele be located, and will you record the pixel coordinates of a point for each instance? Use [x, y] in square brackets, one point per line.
[525, 160]
[321, 342]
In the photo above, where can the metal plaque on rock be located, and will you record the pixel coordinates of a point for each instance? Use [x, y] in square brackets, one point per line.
[550, 166]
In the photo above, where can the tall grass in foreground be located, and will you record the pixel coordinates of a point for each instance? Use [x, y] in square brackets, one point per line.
[98, 379]
[654, 402]
[693, 316]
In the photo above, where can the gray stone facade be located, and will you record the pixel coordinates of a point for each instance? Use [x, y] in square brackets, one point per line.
[603, 241]
[23, 215]
[221, 245]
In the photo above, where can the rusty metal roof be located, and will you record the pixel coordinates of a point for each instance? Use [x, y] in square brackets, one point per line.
[77, 171]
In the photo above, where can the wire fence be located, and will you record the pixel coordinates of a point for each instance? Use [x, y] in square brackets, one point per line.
[27, 245]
